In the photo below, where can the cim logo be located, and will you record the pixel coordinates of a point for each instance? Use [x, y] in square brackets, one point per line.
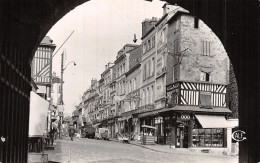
[239, 135]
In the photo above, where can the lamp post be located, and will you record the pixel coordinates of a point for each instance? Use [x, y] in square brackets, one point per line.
[61, 86]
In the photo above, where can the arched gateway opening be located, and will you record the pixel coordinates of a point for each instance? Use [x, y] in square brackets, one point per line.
[25, 23]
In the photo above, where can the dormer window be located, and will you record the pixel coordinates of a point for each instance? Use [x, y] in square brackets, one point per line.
[205, 76]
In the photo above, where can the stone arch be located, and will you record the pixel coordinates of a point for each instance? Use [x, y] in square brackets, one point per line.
[24, 24]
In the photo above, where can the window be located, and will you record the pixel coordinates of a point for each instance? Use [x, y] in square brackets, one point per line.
[149, 68]
[213, 137]
[164, 35]
[124, 68]
[152, 94]
[152, 67]
[130, 86]
[143, 101]
[196, 22]
[206, 48]
[204, 76]
[144, 48]
[153, 41]
[160, 39]
[123, 87]
[149, 45]
[148, 96]
[134, 84]
[144, 72]
[205, 99]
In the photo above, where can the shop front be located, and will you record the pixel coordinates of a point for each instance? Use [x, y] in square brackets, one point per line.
[111, 127]
[190, 130]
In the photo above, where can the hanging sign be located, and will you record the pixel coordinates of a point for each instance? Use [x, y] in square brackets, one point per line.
[238, 135]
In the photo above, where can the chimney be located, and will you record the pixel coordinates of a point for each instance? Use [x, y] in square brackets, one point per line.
[93, 81]
[147, 24]
[168, 8]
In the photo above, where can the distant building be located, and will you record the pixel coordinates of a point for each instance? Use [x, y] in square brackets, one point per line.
[121, 67]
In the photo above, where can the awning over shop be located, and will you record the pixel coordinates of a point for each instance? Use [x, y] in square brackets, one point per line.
[146, 114]
[146, 126]
[212, 121]
[38, 115]
[96, 125]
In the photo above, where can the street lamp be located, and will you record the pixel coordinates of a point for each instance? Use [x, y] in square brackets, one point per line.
[61, 88]
[62, 71]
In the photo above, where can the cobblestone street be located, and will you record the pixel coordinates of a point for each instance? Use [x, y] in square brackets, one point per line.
[90, 150]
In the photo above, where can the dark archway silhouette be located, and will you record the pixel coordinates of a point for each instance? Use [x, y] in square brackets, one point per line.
[25, 22]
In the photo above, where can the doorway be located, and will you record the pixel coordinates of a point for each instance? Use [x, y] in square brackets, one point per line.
[182, 137]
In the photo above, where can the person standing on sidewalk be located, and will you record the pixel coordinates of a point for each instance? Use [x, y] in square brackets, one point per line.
[71, 132]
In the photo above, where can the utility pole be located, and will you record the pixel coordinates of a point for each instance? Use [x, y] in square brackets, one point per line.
[61, 94]
[61, 90]
[61, 85]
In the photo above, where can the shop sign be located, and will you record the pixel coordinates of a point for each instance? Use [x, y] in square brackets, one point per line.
[162, 48]
[148, 107]
[238, 135]
[135, 95]
[184, 117]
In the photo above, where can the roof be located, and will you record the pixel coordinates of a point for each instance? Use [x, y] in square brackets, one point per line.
[178, 13]
[132, 69]
[47, 41]
[119, 58]
[162, 18]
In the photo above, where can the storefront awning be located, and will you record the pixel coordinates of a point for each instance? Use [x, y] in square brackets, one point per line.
[212, 121]
[147, 114]
[146, 126]
[96, 125]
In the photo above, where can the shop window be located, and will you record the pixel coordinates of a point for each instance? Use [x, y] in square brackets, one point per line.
[205, 99]
[213, 137]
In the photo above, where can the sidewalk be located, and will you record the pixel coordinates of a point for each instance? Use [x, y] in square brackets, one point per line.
[179, 151]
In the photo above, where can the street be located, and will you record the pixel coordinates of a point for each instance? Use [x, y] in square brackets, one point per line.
[83, 150]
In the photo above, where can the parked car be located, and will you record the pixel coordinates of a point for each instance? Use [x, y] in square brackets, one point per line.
[88, 132]
[123, 138]
[102, 133]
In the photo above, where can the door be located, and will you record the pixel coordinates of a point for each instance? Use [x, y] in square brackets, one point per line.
[182, 137]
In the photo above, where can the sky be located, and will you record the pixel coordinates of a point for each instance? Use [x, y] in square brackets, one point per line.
[101, 28]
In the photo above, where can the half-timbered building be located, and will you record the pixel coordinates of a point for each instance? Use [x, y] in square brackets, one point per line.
[196, 86]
